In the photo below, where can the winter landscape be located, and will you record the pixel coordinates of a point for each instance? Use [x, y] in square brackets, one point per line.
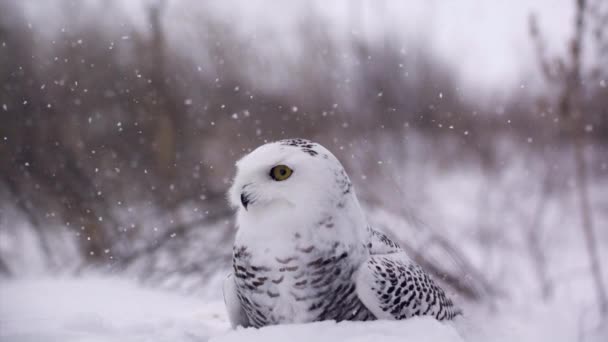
[475, 135]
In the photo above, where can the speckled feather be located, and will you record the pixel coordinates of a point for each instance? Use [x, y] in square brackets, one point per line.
[320, 283]
[392, 286]
[304, 252]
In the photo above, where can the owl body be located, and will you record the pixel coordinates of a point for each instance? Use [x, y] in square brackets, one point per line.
[297, 266]
[305, 285]
[304, 252]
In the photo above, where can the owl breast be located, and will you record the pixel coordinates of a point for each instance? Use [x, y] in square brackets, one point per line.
[305, 285]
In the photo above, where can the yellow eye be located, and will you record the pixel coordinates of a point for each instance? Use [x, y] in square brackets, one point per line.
[280, 172]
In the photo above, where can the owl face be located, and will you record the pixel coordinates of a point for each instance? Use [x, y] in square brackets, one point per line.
[287, 175]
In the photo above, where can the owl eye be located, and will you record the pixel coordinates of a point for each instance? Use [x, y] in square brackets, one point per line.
[280, 172]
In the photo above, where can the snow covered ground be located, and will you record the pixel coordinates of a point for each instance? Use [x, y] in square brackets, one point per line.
[417, 329]
[103, 309]
[111, 309]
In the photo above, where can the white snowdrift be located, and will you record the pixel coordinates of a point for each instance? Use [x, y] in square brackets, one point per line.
[111, 309]
[102, 309]
[412, 330]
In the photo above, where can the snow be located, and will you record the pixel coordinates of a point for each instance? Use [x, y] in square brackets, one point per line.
[95, 308]
[103, 309]
[112, 309]
[416, 329]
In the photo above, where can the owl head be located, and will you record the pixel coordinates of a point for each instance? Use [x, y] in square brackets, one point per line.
[289, 175]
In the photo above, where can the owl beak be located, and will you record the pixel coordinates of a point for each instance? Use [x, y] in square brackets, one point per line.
[245, 200]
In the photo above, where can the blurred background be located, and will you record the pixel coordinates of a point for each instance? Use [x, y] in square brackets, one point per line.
[475, 133]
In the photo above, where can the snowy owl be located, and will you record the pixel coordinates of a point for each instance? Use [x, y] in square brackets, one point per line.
[304, 251]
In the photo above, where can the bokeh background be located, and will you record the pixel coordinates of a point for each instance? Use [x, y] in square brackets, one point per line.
[475, 133]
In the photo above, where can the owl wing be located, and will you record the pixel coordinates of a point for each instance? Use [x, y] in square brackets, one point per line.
[393, 287]
[236, 314]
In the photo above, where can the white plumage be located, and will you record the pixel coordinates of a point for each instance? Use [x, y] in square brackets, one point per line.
[304, 252]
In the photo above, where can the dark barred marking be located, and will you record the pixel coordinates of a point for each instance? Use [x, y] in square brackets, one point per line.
[383, 239]
[260, 268]
[286, 261]
[303, 143]
[299, 142]
[343, 181]
[257, 283]
[241, 252]
[288, 269]
[327, 222]
[315, 263]
[306, 146]
[305, 250]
